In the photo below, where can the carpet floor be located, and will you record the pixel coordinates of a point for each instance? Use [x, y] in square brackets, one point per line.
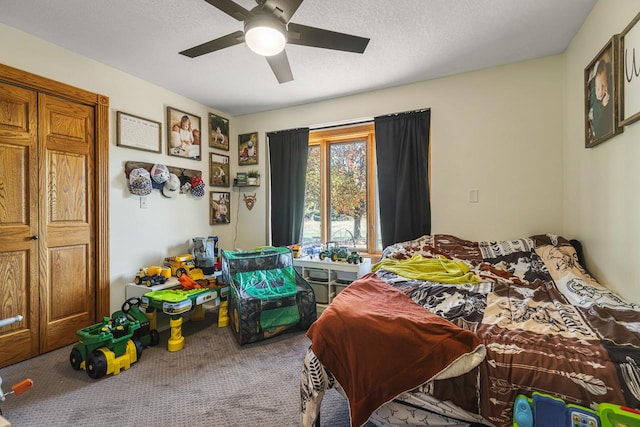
[212, 381]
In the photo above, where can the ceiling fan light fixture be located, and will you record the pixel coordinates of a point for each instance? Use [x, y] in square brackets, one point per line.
[265, 36]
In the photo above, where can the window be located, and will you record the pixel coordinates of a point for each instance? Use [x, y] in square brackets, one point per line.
[340, 198]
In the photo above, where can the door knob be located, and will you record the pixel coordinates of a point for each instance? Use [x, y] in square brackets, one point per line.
[34, 237]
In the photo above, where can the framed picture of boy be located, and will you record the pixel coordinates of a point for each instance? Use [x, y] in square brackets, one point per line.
[183, 134]
[219, 208]
[601, 95]
[248, 149]
[219, 170]
[218, 132]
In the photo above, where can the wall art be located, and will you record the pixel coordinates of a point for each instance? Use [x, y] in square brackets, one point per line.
[601, 95]
[183, 134]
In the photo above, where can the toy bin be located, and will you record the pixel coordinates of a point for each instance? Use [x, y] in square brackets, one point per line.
[267, 296]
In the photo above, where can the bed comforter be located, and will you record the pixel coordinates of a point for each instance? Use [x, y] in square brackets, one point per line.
[546, 325]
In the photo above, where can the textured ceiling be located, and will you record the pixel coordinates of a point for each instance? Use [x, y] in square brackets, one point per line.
[411, 40]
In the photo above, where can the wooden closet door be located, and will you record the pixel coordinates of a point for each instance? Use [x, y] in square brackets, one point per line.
[66, 215]
[18, 223]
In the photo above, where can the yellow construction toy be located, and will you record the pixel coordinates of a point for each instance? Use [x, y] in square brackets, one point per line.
[184, 264]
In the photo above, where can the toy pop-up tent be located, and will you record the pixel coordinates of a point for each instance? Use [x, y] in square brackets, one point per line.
[267, 296]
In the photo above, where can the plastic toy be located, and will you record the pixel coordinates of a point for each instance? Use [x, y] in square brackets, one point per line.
[581, 416]
[174, 302]
[522, 412]
[354, 258]
[549, 410]
[295, 250]
[115, 343]
[543, 410]
[22, 386]
[152, 276]
[183, 264]
[340, 253]
[205, 251]
[618, 416]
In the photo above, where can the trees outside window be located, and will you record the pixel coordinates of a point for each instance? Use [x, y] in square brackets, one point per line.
[340, 202]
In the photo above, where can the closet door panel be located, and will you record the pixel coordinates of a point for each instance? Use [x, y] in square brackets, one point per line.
[18, 224]
[67, 288]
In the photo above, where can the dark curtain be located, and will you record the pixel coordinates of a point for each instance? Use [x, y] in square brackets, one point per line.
[288, 153]
[402, 152]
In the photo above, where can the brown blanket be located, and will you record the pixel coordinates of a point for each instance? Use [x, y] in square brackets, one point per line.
[378, 344]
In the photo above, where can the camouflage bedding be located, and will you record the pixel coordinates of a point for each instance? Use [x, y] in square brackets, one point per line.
[547, 325]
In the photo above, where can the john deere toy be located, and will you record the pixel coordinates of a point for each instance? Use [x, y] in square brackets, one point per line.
[340, 253]
[115, 343]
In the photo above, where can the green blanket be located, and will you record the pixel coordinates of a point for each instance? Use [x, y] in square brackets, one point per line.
[439, 269]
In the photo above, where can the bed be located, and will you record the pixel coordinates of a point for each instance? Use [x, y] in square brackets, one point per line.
[513, 317]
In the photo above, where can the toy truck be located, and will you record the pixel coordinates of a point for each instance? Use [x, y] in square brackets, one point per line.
[183, 264]
[340, 253]
[151, 276]
[115, 343]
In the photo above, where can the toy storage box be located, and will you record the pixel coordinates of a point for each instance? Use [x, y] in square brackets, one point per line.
[267, 296]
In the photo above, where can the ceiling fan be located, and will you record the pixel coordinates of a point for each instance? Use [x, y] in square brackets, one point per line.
[267, 29]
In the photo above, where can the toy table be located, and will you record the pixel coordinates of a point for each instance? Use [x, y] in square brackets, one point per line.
[174, 302]
[161, 321]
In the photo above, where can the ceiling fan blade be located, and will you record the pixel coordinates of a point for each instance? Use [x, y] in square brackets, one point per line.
[282, 9]
[317, 37]
[280, 66]
[230, 8]
[213, 45]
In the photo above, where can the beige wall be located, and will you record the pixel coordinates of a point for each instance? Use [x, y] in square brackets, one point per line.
[602, 183]
[139, 237]
[497, 130]
[514, 132]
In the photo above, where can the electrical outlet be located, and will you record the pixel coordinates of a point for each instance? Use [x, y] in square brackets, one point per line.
[144, 202]
[473, 196]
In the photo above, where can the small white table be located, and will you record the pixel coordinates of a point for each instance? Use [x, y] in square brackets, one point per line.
[328, 277]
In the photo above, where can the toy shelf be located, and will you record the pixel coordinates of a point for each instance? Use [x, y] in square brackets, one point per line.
[327, 277]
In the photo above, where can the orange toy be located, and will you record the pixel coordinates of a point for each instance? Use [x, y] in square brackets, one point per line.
[188, 283]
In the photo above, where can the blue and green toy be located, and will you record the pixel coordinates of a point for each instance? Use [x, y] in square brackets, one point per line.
[543, 410]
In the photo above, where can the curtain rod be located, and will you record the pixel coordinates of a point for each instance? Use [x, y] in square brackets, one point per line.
[339, 125]
[354, 123]
[421, 110]
[273, 132]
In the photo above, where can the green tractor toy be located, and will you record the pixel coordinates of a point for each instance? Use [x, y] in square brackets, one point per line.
[340, 253]
[115, 343]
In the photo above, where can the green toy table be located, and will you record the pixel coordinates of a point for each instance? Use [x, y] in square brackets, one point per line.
[175, 302]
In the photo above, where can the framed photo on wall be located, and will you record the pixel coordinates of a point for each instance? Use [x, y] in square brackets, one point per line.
[218, 170]
[218, 132]
[601, 95]
[630, 73]
[183, 134]
[248, 149]
[139, 133]
[219, 208]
